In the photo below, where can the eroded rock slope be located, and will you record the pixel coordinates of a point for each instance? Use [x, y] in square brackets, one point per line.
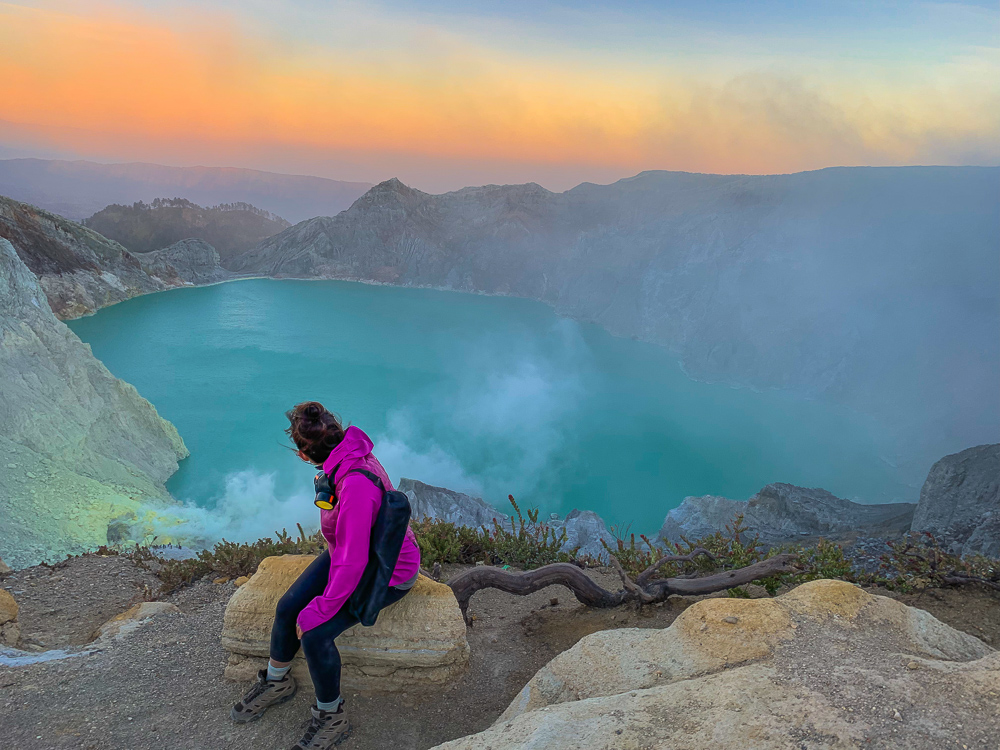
[78, 447]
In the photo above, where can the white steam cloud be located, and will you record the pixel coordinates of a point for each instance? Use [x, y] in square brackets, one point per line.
[504, 412]
[249, 508]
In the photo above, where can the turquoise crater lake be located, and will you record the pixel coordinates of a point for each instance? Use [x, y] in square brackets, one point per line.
[488, 395]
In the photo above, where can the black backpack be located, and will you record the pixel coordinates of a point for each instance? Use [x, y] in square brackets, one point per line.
[388, 533]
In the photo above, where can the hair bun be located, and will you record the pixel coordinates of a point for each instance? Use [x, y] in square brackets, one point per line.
[314, 430]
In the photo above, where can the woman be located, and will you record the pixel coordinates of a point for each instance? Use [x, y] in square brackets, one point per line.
[312, 611]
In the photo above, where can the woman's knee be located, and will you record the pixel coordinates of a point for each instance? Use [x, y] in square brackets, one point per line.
[287, 610]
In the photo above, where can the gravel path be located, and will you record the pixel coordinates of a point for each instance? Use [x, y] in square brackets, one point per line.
[161, 686]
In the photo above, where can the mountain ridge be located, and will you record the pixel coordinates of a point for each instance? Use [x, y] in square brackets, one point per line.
[77, 189]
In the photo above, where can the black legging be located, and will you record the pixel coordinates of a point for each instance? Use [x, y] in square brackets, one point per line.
[318, 644]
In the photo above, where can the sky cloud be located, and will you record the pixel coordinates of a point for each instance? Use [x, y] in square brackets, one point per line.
[444, 95]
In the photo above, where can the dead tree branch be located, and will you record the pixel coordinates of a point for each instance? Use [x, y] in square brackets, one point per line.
[588, 592]
[957, 579]
[648, 572]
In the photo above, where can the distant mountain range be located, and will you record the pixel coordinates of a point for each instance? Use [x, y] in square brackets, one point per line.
[78, 189]
[231, 228]
[874, 287]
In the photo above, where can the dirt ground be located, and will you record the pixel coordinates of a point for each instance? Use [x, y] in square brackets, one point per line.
[162, 687]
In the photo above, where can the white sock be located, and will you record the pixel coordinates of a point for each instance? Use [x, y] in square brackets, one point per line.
[331, 705]
[276, 673]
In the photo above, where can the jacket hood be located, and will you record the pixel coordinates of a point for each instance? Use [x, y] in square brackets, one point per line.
[356, 444]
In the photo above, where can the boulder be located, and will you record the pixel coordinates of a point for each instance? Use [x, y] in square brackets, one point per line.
[134, 618]
[584, 530]
[782, 513]
[427, 501]
[698, 517]
[960, 501]
[419, 640]
[10, 631]
[4, 568]
[825, 661]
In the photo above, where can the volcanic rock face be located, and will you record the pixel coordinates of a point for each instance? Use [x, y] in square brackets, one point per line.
[872, 287]
[188, 261]
[585, 530]
[78, 447]
[428, 501]
[960, 501]
[826, 662]
[783, 513]
[419, 640]
[82, 271]
[231, 228]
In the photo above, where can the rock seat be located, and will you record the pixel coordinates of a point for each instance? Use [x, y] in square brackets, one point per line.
[419, 640]
[825, 665]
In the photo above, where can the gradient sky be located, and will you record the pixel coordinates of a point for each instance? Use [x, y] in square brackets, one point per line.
[451, 93]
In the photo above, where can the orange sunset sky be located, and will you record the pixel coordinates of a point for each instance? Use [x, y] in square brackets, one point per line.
[446, 94]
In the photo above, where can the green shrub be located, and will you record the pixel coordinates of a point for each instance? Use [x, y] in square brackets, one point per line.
[444, 542]
[918, 562]
[524, 544]
[232, 559]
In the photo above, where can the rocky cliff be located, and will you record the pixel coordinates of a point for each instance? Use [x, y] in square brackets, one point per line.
[875, 287]
[782, 513]
[190, 261]
[438, 503]
[79, 270]
[230, 228]
[78, 447]
[82, 271]
[960, 501]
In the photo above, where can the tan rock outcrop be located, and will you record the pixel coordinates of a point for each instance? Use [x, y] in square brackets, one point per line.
[135, 617]
[10, 631]
[418, 640]
[4, 568]
[826, 661]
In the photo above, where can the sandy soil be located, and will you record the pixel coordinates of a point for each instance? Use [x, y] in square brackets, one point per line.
[162, 686]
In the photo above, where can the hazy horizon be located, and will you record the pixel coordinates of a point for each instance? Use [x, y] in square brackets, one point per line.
[372, 182]
[444, 95]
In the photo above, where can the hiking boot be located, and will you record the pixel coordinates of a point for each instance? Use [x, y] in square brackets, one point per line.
[327, 729]
[264, 694]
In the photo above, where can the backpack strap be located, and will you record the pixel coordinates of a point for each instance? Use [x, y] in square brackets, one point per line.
[374, 477]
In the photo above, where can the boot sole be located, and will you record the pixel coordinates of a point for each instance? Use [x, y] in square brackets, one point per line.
[244, 719]
[345, 735]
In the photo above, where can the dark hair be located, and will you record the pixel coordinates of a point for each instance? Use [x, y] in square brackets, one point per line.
[314, 430]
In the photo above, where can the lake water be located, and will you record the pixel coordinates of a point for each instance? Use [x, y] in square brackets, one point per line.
[487, 395]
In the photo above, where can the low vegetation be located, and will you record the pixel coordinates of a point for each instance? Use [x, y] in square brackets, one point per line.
[524, 544]
[910, 564]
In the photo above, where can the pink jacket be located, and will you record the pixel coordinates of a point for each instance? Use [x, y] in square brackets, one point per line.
[347, 528]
